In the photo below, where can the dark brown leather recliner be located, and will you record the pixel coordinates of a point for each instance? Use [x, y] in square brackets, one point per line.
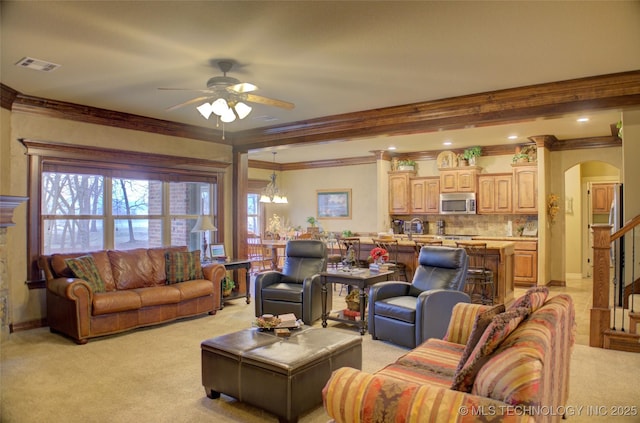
[296, 289]
[410, 313]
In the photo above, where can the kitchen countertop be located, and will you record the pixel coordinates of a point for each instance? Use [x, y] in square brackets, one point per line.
[506, 246]
[474, 237]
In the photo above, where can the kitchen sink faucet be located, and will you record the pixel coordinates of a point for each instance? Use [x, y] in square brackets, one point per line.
[414, 220]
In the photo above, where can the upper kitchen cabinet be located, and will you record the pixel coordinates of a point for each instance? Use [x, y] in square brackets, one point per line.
[495, 194]
[601, 198]
[399, 192]
[425, 195]
[525, 188]
[460, 179]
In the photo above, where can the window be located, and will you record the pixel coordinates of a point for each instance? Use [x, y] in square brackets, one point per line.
[253, 213]
[89, 198]
[93, 212]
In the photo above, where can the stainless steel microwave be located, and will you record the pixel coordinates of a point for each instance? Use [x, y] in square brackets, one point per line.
[458, 203]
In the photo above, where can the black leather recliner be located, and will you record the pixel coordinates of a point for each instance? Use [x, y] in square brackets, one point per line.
[296, 289]
[410, 313]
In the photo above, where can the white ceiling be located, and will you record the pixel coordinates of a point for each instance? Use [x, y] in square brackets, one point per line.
[326, 57]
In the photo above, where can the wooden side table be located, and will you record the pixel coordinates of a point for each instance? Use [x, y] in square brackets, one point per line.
[358, 278]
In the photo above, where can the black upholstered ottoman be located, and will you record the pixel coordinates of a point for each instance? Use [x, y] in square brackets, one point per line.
[284, 376]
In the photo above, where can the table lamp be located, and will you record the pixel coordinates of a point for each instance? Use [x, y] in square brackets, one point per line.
[204, 225]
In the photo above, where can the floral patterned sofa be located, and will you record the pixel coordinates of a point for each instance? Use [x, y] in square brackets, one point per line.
[492, 365]
[110, 291]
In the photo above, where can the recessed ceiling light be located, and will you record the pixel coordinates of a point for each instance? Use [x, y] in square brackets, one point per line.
[391, 147]
[447, 143]
[583, 119]
[513, 137]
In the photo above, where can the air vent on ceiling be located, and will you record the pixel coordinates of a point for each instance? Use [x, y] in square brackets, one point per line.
[36, 64]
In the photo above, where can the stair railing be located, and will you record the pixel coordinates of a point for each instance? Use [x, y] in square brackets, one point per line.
[600, 319]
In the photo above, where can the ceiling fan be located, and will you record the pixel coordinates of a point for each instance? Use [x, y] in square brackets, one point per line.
[225, 97]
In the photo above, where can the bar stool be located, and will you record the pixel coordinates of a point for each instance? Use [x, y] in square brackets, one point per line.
[350, 246]
[480, 286]
[391, 245]
[419, 244]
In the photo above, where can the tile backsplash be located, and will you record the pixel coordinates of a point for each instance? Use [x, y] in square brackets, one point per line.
[484, 225]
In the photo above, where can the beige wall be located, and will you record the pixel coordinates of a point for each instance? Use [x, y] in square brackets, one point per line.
[29, 305]
[573, 221]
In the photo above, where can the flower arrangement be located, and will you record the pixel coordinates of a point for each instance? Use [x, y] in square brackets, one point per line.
[379, 254]
[552, 208]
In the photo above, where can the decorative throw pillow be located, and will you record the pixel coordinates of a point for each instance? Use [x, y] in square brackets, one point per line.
[84, 267]
[499, 328]
[182, 266]
[483, 320]
[533, 299]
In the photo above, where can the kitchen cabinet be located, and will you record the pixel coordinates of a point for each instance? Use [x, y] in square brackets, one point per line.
[495, 194]
[525, 260]
[601, 198]
[525, 188]
[460, 179]
[425, 195]
[399, 192]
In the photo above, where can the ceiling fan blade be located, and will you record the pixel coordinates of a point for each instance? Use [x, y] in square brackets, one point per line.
[189, 89]
[243, 87]
[186, 103]
[270, 101]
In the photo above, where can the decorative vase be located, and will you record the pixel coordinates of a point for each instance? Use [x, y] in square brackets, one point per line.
[472, 161]
[403, 167]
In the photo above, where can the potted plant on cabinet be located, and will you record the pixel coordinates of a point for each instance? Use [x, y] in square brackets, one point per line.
[520, 158]
[406, 165]
[471, 153]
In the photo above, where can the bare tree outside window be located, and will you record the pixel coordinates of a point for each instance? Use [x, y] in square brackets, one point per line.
[71, 207]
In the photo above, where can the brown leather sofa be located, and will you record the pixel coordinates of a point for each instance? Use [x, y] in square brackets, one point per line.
[136, 293]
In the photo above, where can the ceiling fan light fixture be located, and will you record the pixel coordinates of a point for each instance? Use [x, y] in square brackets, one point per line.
[242, 110]
[205, 110]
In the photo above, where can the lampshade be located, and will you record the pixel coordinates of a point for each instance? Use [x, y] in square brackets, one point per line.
[220, 106]
[228, 116]
[242, 110]
[203, 224]
[205, 110]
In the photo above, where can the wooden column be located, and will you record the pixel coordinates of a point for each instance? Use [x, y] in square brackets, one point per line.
[600, 312]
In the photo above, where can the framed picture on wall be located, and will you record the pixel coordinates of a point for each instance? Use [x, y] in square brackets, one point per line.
[334, 203]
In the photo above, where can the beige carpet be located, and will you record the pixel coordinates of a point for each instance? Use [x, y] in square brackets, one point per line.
[153, 375]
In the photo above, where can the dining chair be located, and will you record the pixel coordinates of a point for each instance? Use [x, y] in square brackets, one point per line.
[258, 254]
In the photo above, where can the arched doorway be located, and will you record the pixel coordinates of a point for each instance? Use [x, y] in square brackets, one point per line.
[579, 183]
